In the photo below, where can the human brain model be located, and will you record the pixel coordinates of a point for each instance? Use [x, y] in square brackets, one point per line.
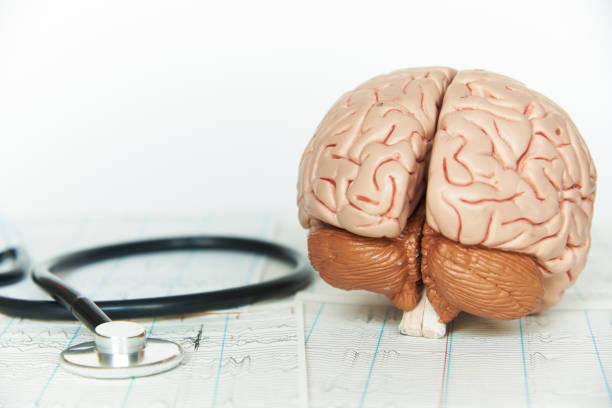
[448, 191]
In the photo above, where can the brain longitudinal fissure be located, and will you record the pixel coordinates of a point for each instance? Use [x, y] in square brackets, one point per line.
[500, 167]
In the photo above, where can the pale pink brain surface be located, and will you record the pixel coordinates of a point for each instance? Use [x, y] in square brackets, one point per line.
[509, 170]
[364, 168]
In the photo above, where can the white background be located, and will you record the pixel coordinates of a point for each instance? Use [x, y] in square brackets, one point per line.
[149, 107]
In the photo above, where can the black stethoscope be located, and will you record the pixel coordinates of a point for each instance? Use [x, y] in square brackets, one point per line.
[121, 348]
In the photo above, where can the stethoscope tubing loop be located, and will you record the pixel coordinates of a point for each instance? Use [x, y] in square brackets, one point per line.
[43, 274]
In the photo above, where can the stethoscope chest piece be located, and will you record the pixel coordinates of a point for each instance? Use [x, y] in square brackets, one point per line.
[121, 350]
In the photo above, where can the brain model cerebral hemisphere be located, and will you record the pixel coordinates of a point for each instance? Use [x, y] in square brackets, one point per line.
[448, 191]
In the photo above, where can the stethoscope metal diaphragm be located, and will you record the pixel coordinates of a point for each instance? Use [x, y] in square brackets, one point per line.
[121, 350]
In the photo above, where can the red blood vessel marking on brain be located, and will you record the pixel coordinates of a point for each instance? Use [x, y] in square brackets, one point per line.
[502, 168]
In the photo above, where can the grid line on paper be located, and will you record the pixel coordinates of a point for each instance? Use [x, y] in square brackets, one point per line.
[7, 327]
[301, 354]
[78, 233]
[601, 367]
[187, 261]
[216, 389]
[44, 389]
[180, 273]
[578, 293]
[265, 232]
[447, 364]
[525, 382]
[133, 379]
[7, 240]
[128, 392]
[258, 258]
[314, 322]
[443, 372]
[178, 276]
[367, 383]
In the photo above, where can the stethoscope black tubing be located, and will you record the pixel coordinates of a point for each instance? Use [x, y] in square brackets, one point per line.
[85, 310]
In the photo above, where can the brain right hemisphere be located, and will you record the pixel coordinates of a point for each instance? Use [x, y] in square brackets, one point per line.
[509, 170]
